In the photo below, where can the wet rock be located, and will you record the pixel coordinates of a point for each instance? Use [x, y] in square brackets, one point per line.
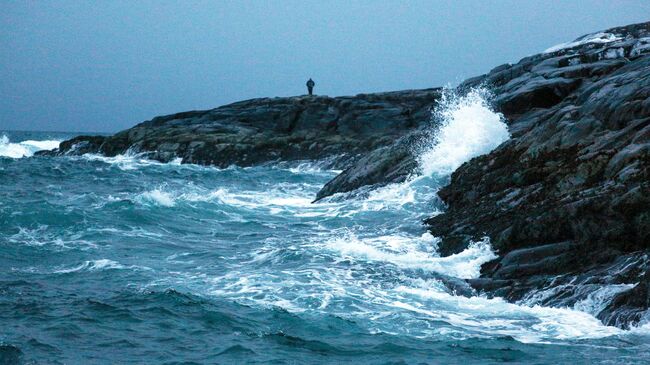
[270, 129]
[628, 307]
[566, 201]
[383, 166]
[76, 146]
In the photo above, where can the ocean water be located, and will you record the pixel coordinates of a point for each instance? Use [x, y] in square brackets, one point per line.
[130, 261]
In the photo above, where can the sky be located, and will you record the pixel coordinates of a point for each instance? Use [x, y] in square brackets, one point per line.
[104, 66]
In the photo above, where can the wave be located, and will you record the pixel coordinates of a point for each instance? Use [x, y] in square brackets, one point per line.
[485, 317]
[393, 284]
[44, 235]
[92, 265]
[469, 128]
[415, 253]
[598, 300]
[24, 148]
[128, 161]
[99, 265]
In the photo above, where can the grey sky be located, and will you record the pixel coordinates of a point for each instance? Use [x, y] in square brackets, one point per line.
[105, 66]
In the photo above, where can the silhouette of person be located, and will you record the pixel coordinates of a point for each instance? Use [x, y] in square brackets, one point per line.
[310, 86]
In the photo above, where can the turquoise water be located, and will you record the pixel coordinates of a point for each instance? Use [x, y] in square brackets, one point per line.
[125, 260]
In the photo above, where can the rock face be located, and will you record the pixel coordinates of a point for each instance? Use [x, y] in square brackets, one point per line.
[262, 130]
[566, 201]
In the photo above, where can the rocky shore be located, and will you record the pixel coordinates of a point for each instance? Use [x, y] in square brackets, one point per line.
[270, 129]
[565, 202]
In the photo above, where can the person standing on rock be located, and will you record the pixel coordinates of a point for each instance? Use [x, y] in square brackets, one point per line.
[310, 86]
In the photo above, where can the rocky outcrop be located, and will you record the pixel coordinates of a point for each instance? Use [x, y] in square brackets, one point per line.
[536, 82]
[383, 166]
[269, 129]
[566, 201]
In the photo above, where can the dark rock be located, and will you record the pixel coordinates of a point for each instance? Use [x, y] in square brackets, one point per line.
[629, 306]
[385, 165]
[261, 130]
[76, 146]
[566, 201]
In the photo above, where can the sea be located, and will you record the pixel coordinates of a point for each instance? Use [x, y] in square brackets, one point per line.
[125, 260]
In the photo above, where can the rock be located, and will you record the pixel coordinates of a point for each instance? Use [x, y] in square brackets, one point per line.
[566, 201]
[10, 355]
[629, 306]
[78, 145]
[262, 130]
[385, 165]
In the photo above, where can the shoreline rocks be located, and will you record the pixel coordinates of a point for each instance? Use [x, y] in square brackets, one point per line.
[256, 131]
[565, 201]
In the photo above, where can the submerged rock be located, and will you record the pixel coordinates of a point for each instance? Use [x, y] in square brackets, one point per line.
[565, 201]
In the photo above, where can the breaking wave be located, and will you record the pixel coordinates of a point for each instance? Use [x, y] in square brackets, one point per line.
[468, 128]
[25, 148]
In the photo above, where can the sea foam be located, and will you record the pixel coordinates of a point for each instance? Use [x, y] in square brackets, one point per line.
[24, 148]
[469, 128]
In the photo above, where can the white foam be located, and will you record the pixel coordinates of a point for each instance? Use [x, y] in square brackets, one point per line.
[359, 284]
[43, 235]
[310, 168]
[24, 148]
[414, 253]
[392, 195]
[133, 161]
[469, 128]
[599, 299]
[92, 265]
[158, 197]
[124, 162]
[291, 199]
[286, 198]
[597, 38]
[490, 317]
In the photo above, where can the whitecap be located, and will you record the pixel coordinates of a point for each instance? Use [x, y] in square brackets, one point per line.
[157, 197]
[414, 253]
[24, 148]
[596, 301]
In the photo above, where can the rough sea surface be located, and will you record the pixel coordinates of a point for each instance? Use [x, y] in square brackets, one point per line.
[125, 260]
